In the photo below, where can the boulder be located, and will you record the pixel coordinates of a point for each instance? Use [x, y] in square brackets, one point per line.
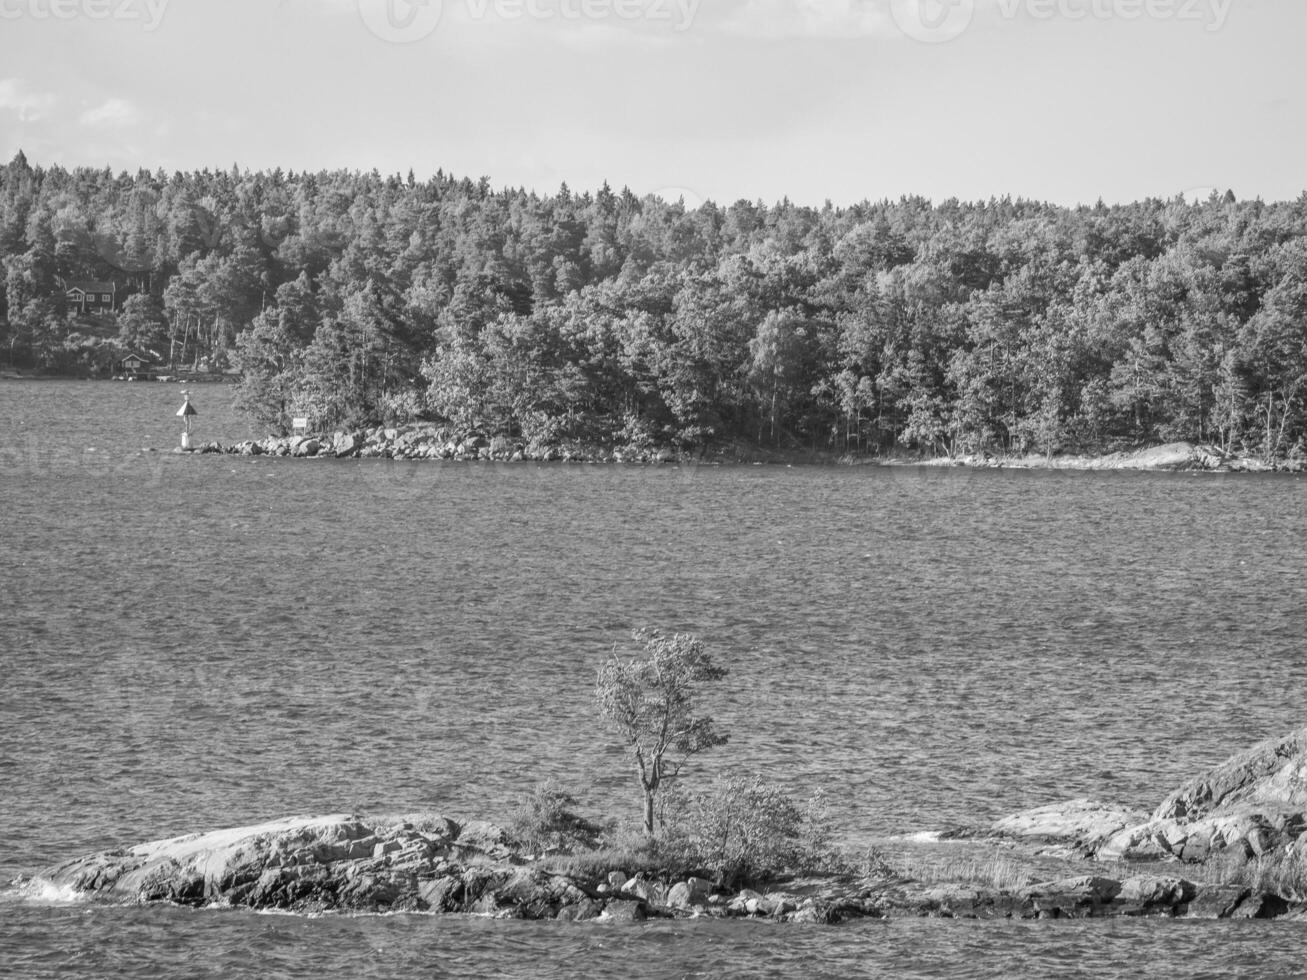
[346, 445]
[1174, 456]
[485, 838]
[1151, 895]
[740, 904]
[650, 892]
[1217, 901]
[1272, 775]
[695, 891]
[1253, 804]
[679, 896]
[625, 910]
[1080, 823]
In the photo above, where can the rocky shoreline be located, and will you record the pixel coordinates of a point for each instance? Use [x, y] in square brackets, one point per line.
[429, 442]
[431, 864]
[1249, 809]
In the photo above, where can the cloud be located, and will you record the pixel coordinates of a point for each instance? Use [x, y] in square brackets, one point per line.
[115, 112]
[29, 106]
[809, 19]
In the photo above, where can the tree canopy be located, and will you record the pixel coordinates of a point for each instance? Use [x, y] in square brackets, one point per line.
[651, 701]
[355, 298]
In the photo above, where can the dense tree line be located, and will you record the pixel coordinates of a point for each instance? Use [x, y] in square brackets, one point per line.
[352, 298]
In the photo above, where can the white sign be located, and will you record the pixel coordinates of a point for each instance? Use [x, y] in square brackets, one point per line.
[299, 425]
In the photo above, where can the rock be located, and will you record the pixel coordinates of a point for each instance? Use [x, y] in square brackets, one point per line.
[811, 913]
[1253, 804]
[330, 863]
[625, 910]
[1079, 823]
[740, 904]
[1272, 774]
[1073, 897]
[1217, 901]
[780, 903]
[616, 880]
[1149, 895]
[345, 445]
[695, 891]
[1175, 456]
[650, 892]
[582, 911]
[442, 894]
[1261, 906]
[679, 896]
[1142, 843]
[485, 838]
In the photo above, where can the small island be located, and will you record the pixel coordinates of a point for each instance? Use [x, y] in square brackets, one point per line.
[1225, 844]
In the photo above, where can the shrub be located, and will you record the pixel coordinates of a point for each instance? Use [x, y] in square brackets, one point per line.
[745, 830]
[545, 821]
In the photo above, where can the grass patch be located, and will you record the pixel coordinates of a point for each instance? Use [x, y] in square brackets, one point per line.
[1282, 873]
[996, 872]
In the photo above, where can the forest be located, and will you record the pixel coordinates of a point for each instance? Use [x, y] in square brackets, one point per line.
[354, 299]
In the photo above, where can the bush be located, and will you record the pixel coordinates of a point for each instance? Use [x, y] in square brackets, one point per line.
[545, 821]
[745, 830]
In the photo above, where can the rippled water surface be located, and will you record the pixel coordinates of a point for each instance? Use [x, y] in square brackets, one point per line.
[193, 642]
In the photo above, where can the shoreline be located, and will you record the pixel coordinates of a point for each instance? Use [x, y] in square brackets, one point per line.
[436, 444]
[433, 442]
[429, 864]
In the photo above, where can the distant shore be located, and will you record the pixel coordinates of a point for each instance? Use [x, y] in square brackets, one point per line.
[433, 443]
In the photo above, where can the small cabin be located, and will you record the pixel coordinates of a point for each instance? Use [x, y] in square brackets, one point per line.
[135, 365]
[91, 297]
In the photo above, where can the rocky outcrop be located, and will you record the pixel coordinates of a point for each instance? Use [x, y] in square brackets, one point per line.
[1174, 456]
[1252, 805]
[431, 864]
[1272, 774]
[428, 442]
[1083, 897]
[1081, 825]
[418, 863]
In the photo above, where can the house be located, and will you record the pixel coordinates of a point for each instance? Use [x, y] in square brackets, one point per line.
[135, 365]
[87, 296]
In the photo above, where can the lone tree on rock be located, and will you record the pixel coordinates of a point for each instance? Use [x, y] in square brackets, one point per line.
[650, 700]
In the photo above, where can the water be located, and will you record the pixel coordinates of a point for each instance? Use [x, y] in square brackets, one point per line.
[196, 642]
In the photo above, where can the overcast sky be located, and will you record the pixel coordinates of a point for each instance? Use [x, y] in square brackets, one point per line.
[1064, 100]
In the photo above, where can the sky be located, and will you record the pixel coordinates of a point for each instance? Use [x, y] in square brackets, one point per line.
[1068, 101]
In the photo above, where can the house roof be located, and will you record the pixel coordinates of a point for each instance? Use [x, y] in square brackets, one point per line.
[138, 355]
[91, 286]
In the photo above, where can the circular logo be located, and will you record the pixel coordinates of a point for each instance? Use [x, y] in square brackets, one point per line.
[401, 21]
[933, 21]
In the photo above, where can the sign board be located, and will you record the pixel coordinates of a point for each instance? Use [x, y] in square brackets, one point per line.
[300, 425]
